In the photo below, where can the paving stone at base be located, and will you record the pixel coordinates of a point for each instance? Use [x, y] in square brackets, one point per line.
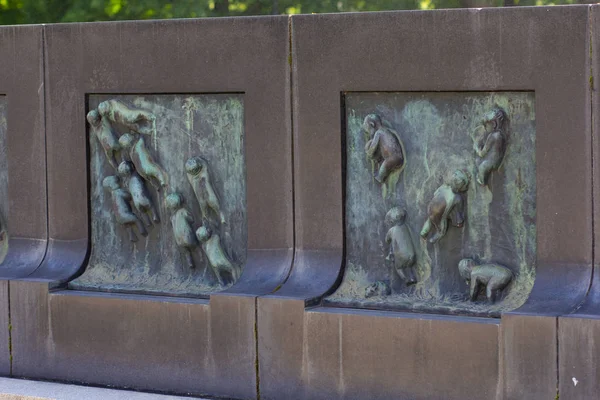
[19, 389]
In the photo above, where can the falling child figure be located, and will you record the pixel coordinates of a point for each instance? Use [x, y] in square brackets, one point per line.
[137, 188]
[182, 222]
[143, 161]
[121, 199]
[224, 269]
[138, 120]
[196, 169]
[102, 129]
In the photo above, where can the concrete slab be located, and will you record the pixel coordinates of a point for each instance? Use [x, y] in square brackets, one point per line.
[20, 389]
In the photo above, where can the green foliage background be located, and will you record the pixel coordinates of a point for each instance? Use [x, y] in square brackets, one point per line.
[47, 11]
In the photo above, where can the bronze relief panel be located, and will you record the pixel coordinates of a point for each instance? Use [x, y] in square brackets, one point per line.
[167, 194]
[440, 201]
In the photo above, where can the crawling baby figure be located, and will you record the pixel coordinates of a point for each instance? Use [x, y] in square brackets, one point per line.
[493, 277]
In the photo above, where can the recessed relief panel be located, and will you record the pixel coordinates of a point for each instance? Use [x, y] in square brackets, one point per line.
[167, 193]
[440, 202]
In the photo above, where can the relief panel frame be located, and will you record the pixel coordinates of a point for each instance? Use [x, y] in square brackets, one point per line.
[142, 341]
[304, 350]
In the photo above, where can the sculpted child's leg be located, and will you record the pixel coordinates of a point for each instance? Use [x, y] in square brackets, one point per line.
[474, 289]
[382, 174]
[132, 235]
[218, 275]
[387, 166]
[187, 255]
[226, 276]
[141, 227]
[490, 293]
[426, 229]
[146, 218]
[401, 274]
[441, 230]
[483, 171]
[390, 256]
[412, 277]
[160, 175]
[111, 155]
[493, 287]
[154, 214]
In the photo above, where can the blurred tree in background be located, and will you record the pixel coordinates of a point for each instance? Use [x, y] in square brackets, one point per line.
[40, 11]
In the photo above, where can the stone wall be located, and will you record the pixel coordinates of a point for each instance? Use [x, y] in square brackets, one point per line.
[199, 206]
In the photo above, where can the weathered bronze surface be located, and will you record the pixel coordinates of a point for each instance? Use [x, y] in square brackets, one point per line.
[467, 160]
[378, 288]
[172, 219]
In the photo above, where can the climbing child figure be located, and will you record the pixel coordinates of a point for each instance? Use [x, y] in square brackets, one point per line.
[402, 251]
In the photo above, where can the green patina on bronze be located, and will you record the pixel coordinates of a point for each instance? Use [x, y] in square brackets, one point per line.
[184, 169]
[442, 133]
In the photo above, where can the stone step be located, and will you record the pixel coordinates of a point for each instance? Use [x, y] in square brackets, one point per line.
[20, 389]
